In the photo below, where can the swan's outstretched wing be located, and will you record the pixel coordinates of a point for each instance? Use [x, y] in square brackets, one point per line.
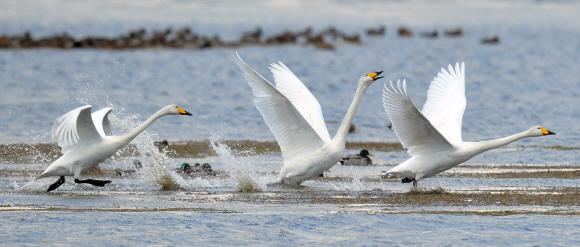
[101, 121]
[413, 129]
[294, 134]
[300, 97]
[446, 102]
[75, 128]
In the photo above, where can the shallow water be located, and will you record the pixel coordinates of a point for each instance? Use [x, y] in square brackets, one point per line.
[127, 228]
[530, 78]
[209, 210]
[216, 229]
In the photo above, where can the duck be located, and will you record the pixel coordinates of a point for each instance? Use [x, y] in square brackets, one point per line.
[380, 31]
[351, 39]
[490, 40]
[405, 32]
[454, 32]
[361, 159]
[433, 34]
[432, 137]
[86, 140]
[197, 169]
[295, 118]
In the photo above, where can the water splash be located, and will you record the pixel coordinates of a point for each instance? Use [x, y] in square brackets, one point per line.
[355, 185]
[242, 175]
[154, 161]
[84, 90]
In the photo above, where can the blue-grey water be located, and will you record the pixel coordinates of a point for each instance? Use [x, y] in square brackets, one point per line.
[532, 77]
[186, 228]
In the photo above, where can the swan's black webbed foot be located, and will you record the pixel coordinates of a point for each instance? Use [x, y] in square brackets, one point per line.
[99, 183]
[408, 180]
[56, 184]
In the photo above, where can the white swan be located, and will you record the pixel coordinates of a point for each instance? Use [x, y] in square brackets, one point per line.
[86, 141]
[295, 118]
[433, 137]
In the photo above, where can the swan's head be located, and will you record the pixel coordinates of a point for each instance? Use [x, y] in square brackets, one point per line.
[175, 110]
[540, 131]
[369, 78]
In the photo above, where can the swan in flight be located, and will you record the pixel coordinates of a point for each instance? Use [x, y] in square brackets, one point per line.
[295, 118]
[86, 140]
[433, 136]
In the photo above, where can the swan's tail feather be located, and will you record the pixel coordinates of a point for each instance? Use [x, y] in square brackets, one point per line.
[43, 175]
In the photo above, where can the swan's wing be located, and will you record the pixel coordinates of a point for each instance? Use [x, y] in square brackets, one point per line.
[74, 128]
[413, 129]
[294, 134]
[446, 102]
[300, 97]
[101, 121]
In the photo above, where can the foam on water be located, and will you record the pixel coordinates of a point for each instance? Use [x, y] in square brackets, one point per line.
[355, 185]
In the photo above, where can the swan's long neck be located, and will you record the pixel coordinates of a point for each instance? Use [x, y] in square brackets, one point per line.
[483, 146]
[342, 132]
[131, 135]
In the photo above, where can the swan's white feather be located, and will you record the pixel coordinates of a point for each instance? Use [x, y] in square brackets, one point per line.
[301, 98]
[412, 128]
[101, 121]
[434, 136]
[446, 102]
[75, 128]
[295, 135]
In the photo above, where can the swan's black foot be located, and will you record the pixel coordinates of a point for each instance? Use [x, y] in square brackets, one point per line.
[56, 184]
[100, 183]
[408, 180]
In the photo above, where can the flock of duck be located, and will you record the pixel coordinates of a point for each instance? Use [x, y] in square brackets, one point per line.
[186, 38]
[432, 136]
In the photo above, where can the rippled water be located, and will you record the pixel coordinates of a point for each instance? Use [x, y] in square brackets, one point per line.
[117, 228]
[530, 78]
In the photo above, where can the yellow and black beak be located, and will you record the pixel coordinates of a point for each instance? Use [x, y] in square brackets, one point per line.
[375, 76]
[183, 112]
[369, 152]
[547, 132]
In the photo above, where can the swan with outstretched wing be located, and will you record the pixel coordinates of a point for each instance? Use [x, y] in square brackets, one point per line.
[295, 118]
[433, 137]
[86, 140]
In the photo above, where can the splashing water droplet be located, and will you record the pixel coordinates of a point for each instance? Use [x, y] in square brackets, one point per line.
[154, 162]
[243, 177]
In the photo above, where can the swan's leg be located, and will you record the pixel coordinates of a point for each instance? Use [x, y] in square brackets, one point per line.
[100, 183]
[56, 184]
[414, 183]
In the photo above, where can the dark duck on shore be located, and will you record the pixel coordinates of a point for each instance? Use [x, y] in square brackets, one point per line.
[361, 159]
